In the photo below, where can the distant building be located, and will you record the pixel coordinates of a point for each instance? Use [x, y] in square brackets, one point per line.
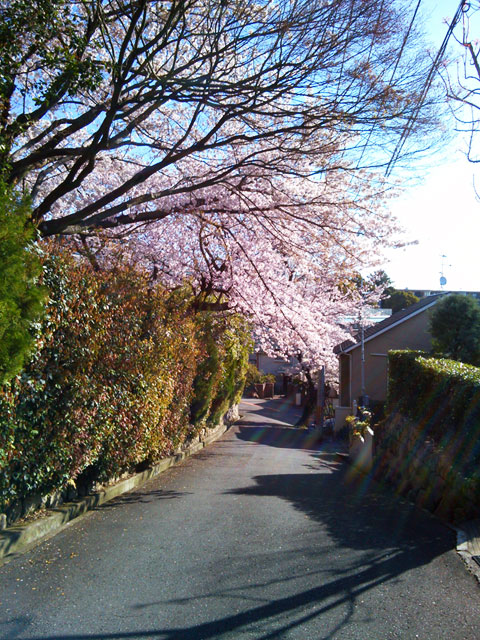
[267, 364]
[406, 329]
[425, 293]
[370, 315]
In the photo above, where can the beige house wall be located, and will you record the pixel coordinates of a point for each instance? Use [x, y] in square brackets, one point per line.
[412, 333]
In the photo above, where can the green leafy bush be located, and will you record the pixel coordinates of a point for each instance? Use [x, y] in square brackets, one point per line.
[269, 377]
[209, 371]
[21, 298]
[112, 380]
[236, 345]
[442, 396]
[360, 425]
[253, 375]
[398, 300]
[109, 385]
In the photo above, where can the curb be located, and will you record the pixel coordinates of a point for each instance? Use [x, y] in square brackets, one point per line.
[20, 538]
[467, 547]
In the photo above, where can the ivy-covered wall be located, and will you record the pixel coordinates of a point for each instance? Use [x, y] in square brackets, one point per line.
[425, 473]
[114, 380]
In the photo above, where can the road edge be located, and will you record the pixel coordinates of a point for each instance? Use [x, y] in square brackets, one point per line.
[20, 538]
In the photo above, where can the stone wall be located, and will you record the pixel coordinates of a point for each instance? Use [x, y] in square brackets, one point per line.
[419, 470]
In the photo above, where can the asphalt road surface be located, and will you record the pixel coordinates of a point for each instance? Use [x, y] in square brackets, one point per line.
[263, 535]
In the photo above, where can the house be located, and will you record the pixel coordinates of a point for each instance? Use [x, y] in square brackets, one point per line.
[371, 315]
[406, 329]
[275, 365]
[290, 365]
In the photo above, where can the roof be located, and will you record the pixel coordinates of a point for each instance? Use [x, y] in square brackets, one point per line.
[388, 323]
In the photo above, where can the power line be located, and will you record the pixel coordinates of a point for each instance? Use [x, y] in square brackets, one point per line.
[400, 54]
[428, 83]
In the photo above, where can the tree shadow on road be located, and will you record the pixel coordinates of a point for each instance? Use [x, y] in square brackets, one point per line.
[356, 509]
[392, 537]
[273, 436]
[145, 496]
[358, 512]
[382, 538]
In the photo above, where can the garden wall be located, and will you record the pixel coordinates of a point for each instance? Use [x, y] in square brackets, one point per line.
[428, 447]
[423, 472]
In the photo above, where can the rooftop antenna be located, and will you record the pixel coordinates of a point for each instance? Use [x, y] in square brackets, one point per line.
[443, 280]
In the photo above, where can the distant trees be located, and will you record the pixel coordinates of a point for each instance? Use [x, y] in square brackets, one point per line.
[397, 300]
[390, 298]
[455, 328]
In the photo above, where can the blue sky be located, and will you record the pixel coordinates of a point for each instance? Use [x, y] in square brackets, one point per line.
[440, 211]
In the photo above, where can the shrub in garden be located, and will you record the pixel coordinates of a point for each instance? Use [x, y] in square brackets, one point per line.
[269, 378]
[209, 371]
[360, 425]
[113, 379]
[253, 375]
[108, 386]
[222, 372]
[148, 363]
[236, 345]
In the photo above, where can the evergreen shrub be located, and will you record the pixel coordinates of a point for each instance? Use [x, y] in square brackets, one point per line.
[209, 370]
[253, 375]
[21, 297]
[236, 345]
[455, 328]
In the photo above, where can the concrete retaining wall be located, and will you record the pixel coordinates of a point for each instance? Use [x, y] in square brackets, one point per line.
[361, 452]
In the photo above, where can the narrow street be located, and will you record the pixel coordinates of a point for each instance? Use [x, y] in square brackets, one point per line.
[262, 535]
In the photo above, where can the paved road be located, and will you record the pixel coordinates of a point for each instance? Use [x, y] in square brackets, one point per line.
[260, 536]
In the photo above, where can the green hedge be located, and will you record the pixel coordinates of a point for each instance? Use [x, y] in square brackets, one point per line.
[442, 396]
[111, 383]
[209, 370]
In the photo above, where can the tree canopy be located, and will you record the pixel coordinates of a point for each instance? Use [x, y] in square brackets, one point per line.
[21, 297]
[233, 145]
[111, 108]
[398, 299]
[455, 328]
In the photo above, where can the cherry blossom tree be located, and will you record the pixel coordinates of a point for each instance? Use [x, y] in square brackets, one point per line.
[196, 93]
[224, 143]
[279, 252]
